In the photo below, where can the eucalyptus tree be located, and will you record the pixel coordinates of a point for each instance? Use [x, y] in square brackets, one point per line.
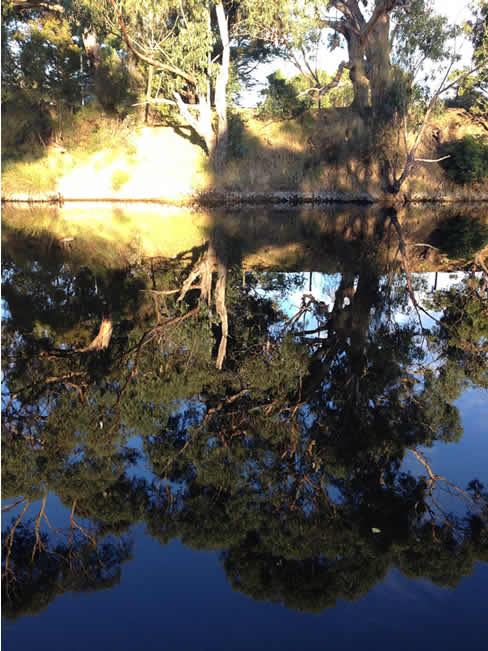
[189, 42]
[295, 458]
[40, 71]
[472, 94]
[365, 28]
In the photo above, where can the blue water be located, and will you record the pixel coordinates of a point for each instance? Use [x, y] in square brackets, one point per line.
[175, 597]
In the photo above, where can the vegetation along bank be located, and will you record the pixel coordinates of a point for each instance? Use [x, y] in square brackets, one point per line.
[115, 101]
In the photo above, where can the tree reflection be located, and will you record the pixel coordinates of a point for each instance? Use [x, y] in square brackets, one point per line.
[287, 458]
[35, 570]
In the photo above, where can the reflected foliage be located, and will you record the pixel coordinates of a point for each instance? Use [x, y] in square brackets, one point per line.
[460, 237]
[31, 585]
[302, 461]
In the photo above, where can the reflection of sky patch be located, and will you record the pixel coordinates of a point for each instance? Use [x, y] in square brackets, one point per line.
[459, 462]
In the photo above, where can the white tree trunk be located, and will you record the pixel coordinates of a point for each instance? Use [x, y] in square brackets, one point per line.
[221, 91]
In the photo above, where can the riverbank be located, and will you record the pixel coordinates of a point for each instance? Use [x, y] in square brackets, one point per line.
[214, 198]
[305, 160]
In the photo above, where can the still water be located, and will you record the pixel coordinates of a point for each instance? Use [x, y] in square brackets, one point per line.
[202, 453]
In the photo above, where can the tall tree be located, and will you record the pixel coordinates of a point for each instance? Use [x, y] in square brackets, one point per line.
[366, 30]
[192, 47]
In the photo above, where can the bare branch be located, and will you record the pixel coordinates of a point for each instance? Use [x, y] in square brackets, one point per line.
[432, 160]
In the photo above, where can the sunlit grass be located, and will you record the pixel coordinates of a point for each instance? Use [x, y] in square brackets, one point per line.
[30, 176]
[93, 156]
[87, 138]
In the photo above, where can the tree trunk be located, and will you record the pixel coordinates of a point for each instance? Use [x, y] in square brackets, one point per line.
[379, 67]
[220, 154]
[357, 73]
[103, 337]
[148, 92]
[92, 48]
[222, 312]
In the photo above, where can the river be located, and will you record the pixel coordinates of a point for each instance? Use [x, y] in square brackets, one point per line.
[255, 428]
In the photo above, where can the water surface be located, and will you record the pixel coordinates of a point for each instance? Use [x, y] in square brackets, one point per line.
[199, 452]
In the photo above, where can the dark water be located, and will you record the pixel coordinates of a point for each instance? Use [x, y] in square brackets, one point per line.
[325, 488]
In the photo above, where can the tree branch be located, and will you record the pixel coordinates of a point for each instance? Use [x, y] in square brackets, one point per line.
[380, 10]
[178, 72]
[432, 160]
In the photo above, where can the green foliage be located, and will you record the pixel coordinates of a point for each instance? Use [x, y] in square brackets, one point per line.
[173, 31]
[48, 59]
[40, 77]
[279, 374]
[281, 99]
[289, 98]
[119, 179]
[117, 85]
[468, 162]
[460, 237]
[420, 34]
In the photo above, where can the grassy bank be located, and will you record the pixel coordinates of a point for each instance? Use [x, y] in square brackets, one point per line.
[92, 155]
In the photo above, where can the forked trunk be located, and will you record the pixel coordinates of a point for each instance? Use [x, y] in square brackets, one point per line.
[201, 124]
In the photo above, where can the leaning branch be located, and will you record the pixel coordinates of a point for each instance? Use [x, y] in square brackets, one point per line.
[322, 90]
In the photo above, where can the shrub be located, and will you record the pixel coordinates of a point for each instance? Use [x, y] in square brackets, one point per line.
[460, 236]
[236, 129]
[468, 162]
[24, 124]
[281, 99]
[119, 179]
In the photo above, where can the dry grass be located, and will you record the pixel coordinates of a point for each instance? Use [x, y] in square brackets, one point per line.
[100, 157]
